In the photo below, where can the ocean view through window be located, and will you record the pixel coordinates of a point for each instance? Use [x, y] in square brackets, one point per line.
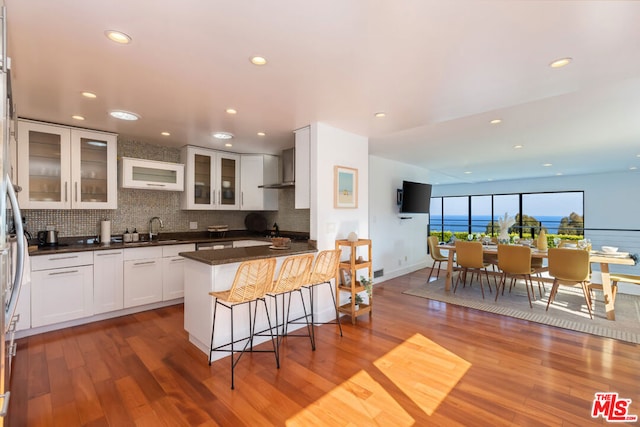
[558, 213]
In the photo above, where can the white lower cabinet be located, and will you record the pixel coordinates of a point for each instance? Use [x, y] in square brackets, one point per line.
[142, 276]
[173, 271]
[61, 288]
[108, 280]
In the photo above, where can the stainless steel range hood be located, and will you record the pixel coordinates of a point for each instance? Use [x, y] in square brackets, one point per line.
[288, 164]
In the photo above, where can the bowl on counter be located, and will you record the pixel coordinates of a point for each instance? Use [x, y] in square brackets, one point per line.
[280, 242]
[609, 249]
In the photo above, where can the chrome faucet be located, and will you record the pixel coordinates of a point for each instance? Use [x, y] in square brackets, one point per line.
[151, 233]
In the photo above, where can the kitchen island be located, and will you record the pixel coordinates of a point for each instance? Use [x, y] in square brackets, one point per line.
[214, 270]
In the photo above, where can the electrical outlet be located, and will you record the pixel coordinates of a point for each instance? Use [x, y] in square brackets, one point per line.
[193, 225]
[405, 258]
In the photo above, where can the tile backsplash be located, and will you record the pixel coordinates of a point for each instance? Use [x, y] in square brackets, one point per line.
[136, 207]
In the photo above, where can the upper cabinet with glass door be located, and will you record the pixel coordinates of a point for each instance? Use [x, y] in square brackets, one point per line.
[66, 168]
[212, 179]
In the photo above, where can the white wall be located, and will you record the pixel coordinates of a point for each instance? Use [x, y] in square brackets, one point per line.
[399, 245]
[334, 147]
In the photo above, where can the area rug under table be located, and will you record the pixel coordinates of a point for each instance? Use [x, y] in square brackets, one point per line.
[568, 310]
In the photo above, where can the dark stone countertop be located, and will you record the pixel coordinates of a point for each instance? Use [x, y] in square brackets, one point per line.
[81, 244]
[231, 255]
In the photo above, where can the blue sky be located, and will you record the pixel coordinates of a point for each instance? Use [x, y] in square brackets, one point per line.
[536, 204]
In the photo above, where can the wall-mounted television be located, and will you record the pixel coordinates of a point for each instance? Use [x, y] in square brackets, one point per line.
[415, 197]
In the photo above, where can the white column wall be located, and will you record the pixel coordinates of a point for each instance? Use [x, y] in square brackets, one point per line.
[334, 147]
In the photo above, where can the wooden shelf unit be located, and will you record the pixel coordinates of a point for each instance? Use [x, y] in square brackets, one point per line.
[353, 266]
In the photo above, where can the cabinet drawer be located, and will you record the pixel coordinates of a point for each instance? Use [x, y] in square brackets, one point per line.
[174, 250]
[60, 295]
[45, 262]
[143, 253]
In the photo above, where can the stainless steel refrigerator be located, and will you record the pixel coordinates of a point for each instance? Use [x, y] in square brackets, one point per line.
[12, 241]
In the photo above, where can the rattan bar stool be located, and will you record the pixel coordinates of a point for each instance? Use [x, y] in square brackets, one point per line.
[294, 272]
[324, 271]
[252, 281]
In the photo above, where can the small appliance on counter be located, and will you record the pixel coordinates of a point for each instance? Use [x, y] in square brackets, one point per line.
[48, 237]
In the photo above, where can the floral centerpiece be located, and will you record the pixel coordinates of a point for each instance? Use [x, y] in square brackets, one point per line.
[504, 224]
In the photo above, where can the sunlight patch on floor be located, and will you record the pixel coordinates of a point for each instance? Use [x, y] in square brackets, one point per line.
[360, 400]
[423, 370]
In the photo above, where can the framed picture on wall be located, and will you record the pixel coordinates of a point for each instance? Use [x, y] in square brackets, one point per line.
[345, 277]
[345, 187]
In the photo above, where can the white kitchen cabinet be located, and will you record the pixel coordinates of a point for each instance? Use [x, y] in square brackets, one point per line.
[257, 170]
[212, 179]
[151, 174]
[61, 287]
[60, 167]
[302, 162]
[173, 270]
[142, 276]
[108, 280]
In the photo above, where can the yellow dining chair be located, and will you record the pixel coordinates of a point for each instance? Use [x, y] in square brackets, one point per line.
[252, 281]
[469, 259]
[569, 267]
[515, 262]
[538, 267]
[436, 254]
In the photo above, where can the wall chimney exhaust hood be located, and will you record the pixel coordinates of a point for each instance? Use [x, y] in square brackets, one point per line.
[287, 162]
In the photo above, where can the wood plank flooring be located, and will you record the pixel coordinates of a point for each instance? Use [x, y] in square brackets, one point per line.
[415, 362]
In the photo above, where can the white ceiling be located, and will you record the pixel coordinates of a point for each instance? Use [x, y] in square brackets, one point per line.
[440, 69]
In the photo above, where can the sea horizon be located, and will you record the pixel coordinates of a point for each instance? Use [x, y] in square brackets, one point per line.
[479, 222]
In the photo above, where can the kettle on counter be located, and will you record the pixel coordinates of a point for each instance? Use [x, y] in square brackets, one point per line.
[48, 238]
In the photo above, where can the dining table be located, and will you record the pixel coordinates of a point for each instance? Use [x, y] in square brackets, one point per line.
[596, 257]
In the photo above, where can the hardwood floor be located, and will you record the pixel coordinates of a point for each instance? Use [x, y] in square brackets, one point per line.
[415, 362]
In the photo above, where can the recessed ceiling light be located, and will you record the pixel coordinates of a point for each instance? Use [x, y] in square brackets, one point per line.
[77, 117]
[258, 60]
[489, 179]
[89, 95]
[380, 115]
[632, 168]
[546, 165]
[228, 144]
[232, 111]
[495, 121]
[559, 174]
[117, 36]
[261, 134]
[518, 146]
[222, 135]
[637, 155]
[165, 134]
[559, 63]
[468, 172]
[124, 115]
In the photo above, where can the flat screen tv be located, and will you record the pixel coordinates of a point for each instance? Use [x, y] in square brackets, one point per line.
[416, 197]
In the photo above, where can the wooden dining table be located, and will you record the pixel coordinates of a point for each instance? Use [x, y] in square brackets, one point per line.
[595, 257]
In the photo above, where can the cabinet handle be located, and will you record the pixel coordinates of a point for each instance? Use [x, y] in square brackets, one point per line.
[110, 254]
[177, 259]
[66, 198]
[144, 263]
[62, 272]
[76, 191]
[5, 404]
[242, 198]
[155, 185]
[63, 257]
[12, 349]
